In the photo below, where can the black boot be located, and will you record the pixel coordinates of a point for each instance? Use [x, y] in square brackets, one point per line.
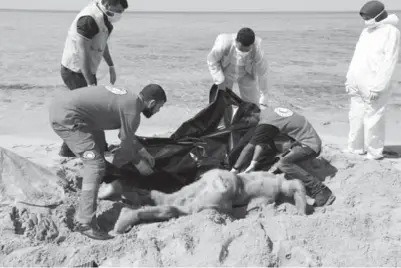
[92, 231]
[324, 198]
[65, 151]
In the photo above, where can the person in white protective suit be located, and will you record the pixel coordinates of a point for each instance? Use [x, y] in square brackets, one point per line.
[369, 80]
[239, 58]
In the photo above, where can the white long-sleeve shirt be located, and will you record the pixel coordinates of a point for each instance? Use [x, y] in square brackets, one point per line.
[223, 53]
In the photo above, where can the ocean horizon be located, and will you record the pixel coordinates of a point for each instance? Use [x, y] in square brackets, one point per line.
[200, 12]
[308, 53]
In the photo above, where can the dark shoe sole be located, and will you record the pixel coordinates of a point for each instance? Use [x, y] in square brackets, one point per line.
[97, 237]
[329, 201]
[91, 233]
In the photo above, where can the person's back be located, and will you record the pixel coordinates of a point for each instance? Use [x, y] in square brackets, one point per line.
[99, 107]
[293, 125]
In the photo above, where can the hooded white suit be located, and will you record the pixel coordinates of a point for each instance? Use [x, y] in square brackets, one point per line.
[370, 71]
[250, 71]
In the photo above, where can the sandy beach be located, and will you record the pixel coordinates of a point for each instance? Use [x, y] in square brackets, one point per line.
[361, 228]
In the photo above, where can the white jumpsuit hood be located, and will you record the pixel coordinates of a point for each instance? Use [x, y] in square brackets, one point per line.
[370, 72]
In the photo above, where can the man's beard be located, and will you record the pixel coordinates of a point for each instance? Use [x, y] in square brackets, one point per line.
[147, 112]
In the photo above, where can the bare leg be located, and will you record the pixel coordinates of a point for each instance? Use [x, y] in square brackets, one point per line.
[258, 202]
[129, 217]
[295, 188]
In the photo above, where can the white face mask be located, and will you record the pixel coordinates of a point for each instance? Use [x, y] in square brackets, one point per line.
[113, 17]
[241, 53]
[372, 22]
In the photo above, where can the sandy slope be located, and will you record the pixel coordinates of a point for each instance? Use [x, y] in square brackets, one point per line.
[361, 228]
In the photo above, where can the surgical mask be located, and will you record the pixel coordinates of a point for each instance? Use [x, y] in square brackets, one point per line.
[241, 53]
[113, 17]
[372, 22]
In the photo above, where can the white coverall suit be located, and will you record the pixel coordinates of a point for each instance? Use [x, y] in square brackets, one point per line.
[370, 72]
[250, 71]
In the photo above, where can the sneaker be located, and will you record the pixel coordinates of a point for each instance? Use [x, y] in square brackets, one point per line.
[324, 198]
[91, 232]
[371, 157]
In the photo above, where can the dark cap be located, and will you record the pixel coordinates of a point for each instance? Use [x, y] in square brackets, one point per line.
[123, 3]
[246, 36]
[372, 9]
[154, 92]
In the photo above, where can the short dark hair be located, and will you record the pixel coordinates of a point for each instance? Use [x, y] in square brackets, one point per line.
[246, 36]
[154, 92]
[123, 3]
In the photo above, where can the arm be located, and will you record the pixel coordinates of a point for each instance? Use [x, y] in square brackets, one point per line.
[87, 29]
[257, 152]
[214, 61]
[264, 134]
[350, 85]
[262, 71]
[249, 148]
[130, 146]
[386, 70]
[109, 61]
[107, 57]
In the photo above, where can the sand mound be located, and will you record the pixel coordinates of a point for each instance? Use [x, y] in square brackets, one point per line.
[360, 228]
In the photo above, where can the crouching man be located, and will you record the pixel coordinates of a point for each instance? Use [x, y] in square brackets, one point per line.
[307, 144]
[80, 117]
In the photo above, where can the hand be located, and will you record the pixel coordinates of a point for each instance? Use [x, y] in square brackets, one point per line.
[144, 168]
[373, 95]
[233, 170]
[147, 156]
[273, 169]
[262, 102]
[108, 189]
[251, 167]
[351, 90]
[113, 75]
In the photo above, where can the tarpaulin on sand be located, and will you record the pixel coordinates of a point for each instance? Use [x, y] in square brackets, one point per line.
[26, 182]
[213, 138]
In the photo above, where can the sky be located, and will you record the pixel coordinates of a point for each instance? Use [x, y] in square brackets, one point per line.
[205, 5]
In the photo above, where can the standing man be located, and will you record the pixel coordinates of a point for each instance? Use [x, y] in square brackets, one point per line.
[369, 80]
[80, 118]
[306, 145]
[239, 58]
[86, 45]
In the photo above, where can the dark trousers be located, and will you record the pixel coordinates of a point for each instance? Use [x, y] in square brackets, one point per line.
[72, 79]
[88, 145]
[291, 165]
